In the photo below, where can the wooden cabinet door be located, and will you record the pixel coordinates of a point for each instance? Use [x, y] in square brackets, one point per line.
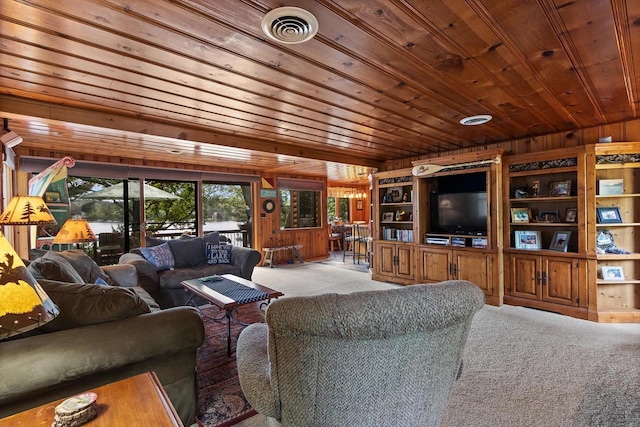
[560, 281]
[434, 265]
[385, 258]
[404, 264]
[475, 267]
[524, 271]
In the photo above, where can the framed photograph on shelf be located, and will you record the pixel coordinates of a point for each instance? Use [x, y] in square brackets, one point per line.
[613, 273]
[526, 239]
[608, 187]
[387, 216]
[549, 216]
[520, 215]
[571, 215]
[608, 215]
[560, 241]
[560, 188]
[395, 194]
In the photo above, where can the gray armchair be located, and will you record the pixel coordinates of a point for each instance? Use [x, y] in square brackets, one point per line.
[384, 358]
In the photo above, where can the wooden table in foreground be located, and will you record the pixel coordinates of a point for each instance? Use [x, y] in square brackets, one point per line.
[137, 401]
[204, 290]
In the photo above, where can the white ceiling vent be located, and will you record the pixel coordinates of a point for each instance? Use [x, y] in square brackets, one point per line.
[475, 120]
[289, 25]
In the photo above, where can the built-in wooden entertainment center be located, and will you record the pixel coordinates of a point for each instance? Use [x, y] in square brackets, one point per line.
[557, 230]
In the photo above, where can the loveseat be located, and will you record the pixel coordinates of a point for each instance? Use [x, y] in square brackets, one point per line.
[162, 265]
[104, 332]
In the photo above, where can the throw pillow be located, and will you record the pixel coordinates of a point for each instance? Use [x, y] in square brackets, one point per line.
[160, 256]
[188, 252]
[54, 267]
[88, 304]
[218, 254]
[85, 266]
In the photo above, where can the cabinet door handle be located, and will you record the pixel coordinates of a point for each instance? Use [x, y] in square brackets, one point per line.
[454, 268]
[544, 278]
[538, 278]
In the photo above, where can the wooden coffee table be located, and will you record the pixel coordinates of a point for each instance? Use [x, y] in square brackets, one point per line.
[137, 401]
[228, 294]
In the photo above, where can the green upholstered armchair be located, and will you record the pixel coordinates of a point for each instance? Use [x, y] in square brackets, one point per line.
[384, 358]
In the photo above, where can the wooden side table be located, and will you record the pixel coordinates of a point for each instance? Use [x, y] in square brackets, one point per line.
[136, 401]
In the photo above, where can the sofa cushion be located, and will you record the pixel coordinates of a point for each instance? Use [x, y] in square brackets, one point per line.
[218, 254]
[170, 279]
[87, 304]
[54, 267]
[160, 256]
[213, 238]
[188, 252]
[85, 266]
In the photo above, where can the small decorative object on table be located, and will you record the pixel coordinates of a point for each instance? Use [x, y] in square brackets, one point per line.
[526, 239]
[76, 410]
[571, 215]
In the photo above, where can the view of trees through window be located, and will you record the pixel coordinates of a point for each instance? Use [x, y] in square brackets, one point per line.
[338, 209]
[170, 207]
[300, 209]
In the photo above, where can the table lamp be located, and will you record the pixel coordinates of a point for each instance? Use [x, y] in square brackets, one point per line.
[23, 303]
[75, 231]
[27, 210]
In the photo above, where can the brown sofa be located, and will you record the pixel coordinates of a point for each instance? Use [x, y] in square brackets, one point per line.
[104, 333]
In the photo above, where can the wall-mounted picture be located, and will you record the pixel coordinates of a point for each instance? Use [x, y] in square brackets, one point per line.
[560, 241]
[612, 273]
[527, 239]
[608, 187]
[608, 215]
[549, 216]
[560, 188]
[359, 204]
[520, 215]
[571, 215]
[52, 197]
[387, 216]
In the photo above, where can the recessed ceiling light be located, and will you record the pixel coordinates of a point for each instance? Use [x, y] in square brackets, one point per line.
[476, 120]
[174, 151]
[289, 25]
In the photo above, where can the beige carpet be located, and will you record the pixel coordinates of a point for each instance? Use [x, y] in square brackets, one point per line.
[523, 367]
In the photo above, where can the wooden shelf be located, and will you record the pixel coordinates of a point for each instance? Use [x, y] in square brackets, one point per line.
[542, 171]
[617, 257]
[619, 224]
[618, 282]
[397, 204]
[544, 224]
[544, 199]
[396, 222]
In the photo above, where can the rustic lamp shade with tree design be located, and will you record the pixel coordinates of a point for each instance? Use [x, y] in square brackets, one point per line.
[23, 303]
[27, 210]
[75, 231]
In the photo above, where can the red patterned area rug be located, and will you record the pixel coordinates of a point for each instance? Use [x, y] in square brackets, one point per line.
[220, 399]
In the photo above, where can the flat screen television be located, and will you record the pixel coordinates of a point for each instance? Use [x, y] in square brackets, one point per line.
[460, 213]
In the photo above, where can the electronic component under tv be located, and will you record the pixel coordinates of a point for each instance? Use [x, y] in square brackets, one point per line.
[460, 213]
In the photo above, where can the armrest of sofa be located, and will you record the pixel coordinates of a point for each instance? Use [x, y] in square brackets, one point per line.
[246, 259]
[45, 362]
[147, 274]
[124, 275]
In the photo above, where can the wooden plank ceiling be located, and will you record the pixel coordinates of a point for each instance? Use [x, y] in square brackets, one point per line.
[198, 82]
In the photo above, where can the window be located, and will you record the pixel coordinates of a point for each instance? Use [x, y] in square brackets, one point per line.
[226, 208]
[301, 203]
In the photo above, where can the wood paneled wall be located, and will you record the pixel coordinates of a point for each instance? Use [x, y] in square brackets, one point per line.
[315, 241]
[619, 132]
